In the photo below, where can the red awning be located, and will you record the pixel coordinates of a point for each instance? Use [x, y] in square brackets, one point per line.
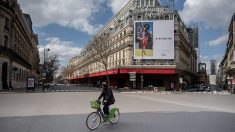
[126, 71]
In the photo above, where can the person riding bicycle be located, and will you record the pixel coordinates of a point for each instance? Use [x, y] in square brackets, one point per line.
[108, 98]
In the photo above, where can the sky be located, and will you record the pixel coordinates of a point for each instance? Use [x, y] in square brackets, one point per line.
[66, 26]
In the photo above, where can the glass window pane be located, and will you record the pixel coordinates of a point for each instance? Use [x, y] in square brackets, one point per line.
[151, 2]
[142, 2]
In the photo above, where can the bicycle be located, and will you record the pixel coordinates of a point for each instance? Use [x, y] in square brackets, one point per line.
[93, 120]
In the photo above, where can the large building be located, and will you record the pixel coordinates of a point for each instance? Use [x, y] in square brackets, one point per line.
[213, 64]
[146, 39]
[19, 56]
[226, 75]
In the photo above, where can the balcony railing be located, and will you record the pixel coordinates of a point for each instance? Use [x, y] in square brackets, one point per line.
[14, 56]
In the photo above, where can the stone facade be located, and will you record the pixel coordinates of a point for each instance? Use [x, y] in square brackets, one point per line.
[156, 72]
[19, 56]
[226, 76]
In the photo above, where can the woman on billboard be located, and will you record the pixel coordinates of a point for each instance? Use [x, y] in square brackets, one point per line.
[144, 38]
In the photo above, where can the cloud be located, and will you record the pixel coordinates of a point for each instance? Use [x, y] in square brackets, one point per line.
[206, 59]
[116, 5]
[63, 49]
[214, 13]
[66, 13]
[218, 41]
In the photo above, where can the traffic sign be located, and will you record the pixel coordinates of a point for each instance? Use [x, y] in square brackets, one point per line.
[132, 79]
[132, 75]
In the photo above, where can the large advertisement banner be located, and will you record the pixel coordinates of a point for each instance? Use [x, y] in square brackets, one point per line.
[154, 39]
[202, 67]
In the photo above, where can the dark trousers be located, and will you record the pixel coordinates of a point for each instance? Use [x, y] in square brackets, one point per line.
[106, 108]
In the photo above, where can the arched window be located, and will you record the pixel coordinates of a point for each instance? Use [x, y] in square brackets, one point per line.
[5, 41]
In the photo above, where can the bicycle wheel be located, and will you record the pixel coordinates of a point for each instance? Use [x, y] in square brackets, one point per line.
[115, 117]
[93, 120]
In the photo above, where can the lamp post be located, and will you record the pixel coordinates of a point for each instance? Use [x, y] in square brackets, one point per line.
[44, 65]
[142, 75]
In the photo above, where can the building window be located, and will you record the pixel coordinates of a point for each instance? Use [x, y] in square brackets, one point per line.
[138, 2]
[151, 2]
[167, 17]
[7, 23]
[5, 41]
[142, 2]
[123, 61]
[147, 2]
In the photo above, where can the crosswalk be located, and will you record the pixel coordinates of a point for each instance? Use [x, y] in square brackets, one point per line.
[69, 90]
[62, 90]
[214, 92]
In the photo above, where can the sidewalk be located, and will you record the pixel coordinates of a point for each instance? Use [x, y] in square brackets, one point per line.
[129, 91]
[21, 90]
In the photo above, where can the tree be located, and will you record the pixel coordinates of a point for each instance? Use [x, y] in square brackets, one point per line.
[99, 50]
[52, 65]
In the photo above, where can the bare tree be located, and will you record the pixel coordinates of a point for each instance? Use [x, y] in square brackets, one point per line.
[99, 50]
[52, 65]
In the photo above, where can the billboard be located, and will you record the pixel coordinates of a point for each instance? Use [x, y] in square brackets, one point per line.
[202, 67]
[154, 39]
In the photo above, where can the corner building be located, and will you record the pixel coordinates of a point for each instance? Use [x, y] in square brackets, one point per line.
[168, 59]
[19, 56]
[226, 75]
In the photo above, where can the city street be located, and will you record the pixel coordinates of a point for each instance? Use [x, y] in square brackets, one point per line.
[66, 111]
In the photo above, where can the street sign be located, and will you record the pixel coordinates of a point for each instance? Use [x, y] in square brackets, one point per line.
[132, 79]
[132, 75]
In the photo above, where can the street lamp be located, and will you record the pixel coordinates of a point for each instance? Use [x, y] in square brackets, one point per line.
[142, 75]
[44, 58]
[44, 64]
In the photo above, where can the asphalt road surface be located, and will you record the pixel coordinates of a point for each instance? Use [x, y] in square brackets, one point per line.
[140, 112]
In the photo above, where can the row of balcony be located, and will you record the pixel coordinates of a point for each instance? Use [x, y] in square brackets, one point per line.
[14, 56]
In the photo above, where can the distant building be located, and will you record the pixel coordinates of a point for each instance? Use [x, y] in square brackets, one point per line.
[212, 76]
[203, 78]
[213, 67]
[19, 55]
[169, 57]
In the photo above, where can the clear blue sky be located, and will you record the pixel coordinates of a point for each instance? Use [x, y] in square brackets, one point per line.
[66, 26]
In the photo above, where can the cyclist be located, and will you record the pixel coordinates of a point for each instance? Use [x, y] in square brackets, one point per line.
[108, 98]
